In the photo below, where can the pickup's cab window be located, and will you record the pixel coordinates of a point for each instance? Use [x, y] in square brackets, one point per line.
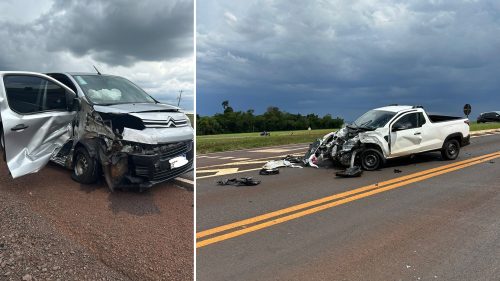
[408, 121]
[421, 119]
[30, 94]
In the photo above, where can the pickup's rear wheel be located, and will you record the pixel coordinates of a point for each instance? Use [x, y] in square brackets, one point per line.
[371, 159]
[85, 167]
[450, 150]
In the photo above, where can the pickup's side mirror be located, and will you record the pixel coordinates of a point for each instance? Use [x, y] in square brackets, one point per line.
[398, 127]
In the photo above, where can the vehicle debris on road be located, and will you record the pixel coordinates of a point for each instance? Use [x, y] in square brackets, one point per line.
[246, 181]
[271, 167]
[294, 159]
[267, 172]
[355, 171]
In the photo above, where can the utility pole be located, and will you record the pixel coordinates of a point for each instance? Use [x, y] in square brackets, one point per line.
[179, 98]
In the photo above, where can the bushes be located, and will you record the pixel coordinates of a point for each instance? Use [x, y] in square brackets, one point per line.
[272, 120]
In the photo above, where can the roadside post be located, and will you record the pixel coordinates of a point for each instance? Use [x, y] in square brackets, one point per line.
[467, 109]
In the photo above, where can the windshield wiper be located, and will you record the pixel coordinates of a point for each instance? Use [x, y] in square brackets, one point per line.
[367, 128]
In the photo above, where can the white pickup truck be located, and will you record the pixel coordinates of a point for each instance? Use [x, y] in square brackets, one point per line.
[390, 132]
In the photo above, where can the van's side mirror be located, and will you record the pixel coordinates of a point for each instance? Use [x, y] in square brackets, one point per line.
[72, 101]
[75, 105]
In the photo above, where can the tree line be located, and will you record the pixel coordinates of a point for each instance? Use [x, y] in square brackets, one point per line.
[273, 119]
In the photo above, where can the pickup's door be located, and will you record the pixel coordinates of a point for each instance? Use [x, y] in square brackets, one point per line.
[37, 113]
[406, 135]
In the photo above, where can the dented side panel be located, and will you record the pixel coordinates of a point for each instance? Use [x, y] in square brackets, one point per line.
[30, 149]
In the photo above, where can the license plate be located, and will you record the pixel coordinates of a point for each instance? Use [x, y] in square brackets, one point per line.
[178, 161]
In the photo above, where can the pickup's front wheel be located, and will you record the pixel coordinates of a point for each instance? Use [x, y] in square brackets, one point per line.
[371, 159]
[450, 150]
[85, 168]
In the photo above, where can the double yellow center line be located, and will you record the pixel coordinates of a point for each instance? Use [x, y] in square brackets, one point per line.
[242, 227]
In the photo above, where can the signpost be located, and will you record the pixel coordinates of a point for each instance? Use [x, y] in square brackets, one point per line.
[467, 109]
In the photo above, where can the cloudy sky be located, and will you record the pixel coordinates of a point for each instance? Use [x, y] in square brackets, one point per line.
[344, 57]
[149, 42]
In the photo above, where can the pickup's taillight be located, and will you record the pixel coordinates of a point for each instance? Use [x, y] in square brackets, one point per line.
[467, 122]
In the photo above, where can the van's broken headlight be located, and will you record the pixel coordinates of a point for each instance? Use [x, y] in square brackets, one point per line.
[188, 120]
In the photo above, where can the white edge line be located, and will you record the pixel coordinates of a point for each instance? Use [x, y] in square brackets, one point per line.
[185, 180]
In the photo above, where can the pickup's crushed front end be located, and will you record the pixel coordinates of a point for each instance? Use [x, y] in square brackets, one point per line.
[338, 146]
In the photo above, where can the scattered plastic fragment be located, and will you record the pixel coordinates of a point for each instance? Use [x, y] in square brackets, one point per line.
[294, 159]
[350, 172]
[267, 172]
[274, 164]
[247, 181]
[397, 171]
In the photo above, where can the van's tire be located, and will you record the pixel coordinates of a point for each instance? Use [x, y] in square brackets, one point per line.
[371, 159]
[85, 168]
[450, 150]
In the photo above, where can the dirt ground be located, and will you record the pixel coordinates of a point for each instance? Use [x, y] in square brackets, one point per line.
[52, 228]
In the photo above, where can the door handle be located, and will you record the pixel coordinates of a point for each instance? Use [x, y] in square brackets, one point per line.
[417, 133]
[19, 127]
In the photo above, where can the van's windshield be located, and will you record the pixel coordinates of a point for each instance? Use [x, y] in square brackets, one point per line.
[108, 90]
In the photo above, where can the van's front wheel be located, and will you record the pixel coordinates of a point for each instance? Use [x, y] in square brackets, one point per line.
[85, 167]
[450, 150]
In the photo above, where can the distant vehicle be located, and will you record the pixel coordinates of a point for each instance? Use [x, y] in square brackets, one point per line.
[93, 124]
[391, 132]
[492, 116]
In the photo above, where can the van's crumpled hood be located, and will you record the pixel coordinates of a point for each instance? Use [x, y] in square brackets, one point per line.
[135, 107]
[162, 123]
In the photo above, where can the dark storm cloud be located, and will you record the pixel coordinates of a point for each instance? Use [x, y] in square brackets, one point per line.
[149, 42]
[112, 32]
[344, 57]
[121, 32]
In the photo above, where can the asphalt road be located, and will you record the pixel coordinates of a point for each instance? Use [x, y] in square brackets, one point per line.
[52, 228]
[434, 220]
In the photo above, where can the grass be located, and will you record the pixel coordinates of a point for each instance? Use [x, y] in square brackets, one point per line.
[474, 126]
[226, 142]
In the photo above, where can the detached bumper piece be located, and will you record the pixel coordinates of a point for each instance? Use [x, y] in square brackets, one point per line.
[248, 181]
[148, 170]
[350, 172]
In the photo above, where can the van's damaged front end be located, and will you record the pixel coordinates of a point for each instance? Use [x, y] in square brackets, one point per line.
[137, 145]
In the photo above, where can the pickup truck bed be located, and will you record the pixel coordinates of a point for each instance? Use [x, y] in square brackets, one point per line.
[442, 118]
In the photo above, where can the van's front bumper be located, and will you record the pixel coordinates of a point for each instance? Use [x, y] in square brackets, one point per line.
[148, 170]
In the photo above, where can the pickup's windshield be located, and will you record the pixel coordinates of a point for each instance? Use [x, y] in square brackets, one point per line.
[107, 90]
[373, 119]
